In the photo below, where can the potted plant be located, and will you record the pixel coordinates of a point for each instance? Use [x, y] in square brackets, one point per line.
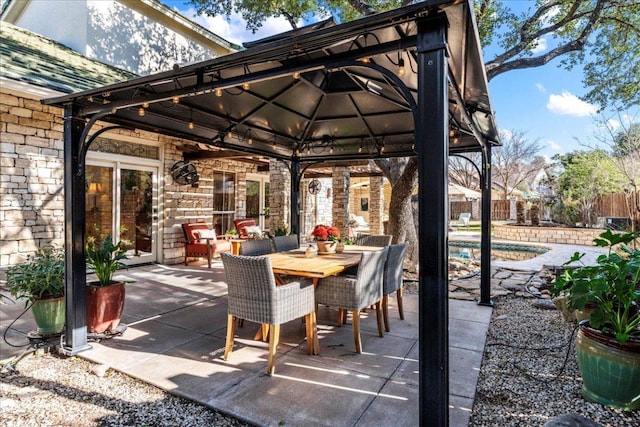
[40, 280]
[608, 344]
[326, 237]
[105, 298]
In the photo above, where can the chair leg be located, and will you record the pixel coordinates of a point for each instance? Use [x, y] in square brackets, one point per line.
[273, 348]
[379, 318]
[385, 312]
[231, 331]
[399, 298]
[356, 330]
[342, 316]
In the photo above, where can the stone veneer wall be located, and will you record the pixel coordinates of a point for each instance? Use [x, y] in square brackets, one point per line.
[572, 236]
[32, 175]
[279, 195]
[340, 208]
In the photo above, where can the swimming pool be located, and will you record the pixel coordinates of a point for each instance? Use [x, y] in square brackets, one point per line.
[502, 251]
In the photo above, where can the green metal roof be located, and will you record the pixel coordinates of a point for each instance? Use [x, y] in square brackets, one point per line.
[29, 58]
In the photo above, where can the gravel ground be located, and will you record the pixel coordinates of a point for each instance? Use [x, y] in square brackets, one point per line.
[524, 381]
[529, 374]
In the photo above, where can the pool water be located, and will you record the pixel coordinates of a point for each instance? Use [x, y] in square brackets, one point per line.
[500, 251]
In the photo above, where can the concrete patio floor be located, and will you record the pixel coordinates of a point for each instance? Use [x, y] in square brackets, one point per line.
[176, 318]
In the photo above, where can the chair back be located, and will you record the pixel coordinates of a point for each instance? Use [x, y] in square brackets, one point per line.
[374, 240]
[286, 243]
[240, 225]
[256, 247]
[464, 219]
[191, 231]
[393, 268]
[251, 287]
[369, 278]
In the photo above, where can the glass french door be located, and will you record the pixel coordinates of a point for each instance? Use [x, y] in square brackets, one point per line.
[258, 198]
[121, 201]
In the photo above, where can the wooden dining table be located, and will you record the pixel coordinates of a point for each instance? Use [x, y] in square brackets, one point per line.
[296, 263]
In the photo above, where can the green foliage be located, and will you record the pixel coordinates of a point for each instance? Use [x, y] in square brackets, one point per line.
[104, 258]
[41, 276]
[611, 287]
[587, 174]
[281, 230]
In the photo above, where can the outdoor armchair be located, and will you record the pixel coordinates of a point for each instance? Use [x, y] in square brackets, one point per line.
[196, 244]
[354, 293]
[393, 268]
[253, 295]
[374, 240]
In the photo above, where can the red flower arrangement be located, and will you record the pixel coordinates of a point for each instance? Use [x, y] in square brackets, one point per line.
[325, 232]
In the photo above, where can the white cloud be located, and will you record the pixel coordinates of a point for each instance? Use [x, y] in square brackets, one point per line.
[541, 87]
[541, 46]
[554, 145]
[613, 124]
[570, 105]
[234, 30]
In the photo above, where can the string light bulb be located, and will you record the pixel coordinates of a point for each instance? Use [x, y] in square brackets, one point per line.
[246, 85]
[296, 75]
[229, 134]
[175, 99]
[191, 125]
[145, 105]
[141, 112]
[401, 69]
[218, 92]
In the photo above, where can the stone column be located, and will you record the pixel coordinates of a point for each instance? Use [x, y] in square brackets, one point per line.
[340, 205]
[512, 208]
[376, 205]
[279, 195]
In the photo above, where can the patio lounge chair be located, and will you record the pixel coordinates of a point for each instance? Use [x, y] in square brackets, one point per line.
[354, 293]
[247, 228]
[463, 219]
[196, 236]
[253, 295]
[393, 280]
[374, 240]
[286, 243]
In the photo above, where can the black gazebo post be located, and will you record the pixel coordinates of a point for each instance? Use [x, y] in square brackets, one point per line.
[485, 229]
[432, 145]
[75, 338]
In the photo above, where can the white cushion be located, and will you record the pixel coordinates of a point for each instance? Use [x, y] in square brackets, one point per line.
[207, 234]
[253, 229]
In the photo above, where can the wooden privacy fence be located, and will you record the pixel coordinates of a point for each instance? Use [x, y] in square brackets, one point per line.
[615, 205]
[456, 208]
[500, 209]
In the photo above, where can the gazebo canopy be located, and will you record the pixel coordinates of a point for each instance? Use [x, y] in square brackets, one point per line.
[401, 83]
[322, 92]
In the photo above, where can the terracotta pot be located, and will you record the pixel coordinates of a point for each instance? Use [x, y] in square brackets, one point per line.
[105, 305]
[610, 370]
[327, 247]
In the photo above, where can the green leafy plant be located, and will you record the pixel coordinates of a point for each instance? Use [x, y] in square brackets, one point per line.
[104, 258]
[611, 287]
[40, 277]
[281, 230]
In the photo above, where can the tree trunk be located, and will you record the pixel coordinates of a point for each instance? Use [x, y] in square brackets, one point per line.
[402, 174]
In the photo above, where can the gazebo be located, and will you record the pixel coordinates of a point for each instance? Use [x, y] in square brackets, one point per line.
[408, 82]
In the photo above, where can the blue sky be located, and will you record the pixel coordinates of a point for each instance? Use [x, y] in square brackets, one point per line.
[543, 102]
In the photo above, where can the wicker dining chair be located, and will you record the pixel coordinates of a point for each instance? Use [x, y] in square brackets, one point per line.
[393, 280]
[374, 240]
[253, 295]
[286, 243]
[354, 293]
[256, 247]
